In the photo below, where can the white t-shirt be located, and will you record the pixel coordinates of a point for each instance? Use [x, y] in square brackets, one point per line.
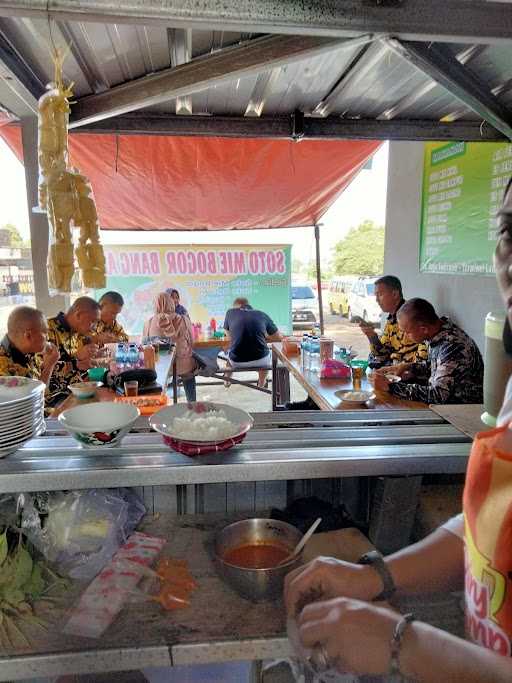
[455, 525]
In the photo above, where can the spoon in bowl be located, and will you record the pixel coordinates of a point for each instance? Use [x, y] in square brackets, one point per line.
[301, 543]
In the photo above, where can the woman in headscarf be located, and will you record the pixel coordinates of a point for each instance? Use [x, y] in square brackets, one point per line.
[165, 322]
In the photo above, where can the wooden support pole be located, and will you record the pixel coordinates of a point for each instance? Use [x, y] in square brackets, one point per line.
[319, 279]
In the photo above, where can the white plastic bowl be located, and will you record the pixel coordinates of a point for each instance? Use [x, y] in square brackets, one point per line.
[97, 425]
[355, 398]
[84, 389]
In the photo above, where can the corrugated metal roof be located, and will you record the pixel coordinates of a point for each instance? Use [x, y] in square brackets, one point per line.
[372, 83]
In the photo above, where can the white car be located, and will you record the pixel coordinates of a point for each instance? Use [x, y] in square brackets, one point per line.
[304, 306]
[362, 302]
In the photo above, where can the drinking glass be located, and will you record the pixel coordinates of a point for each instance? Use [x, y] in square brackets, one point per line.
[358, 369]
[131, 388]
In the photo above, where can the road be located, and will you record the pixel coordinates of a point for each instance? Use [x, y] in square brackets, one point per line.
[345, 334]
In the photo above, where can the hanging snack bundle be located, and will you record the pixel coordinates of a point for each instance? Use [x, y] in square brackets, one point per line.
[65, 194]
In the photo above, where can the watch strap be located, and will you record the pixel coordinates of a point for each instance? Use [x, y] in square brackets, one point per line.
[375, 559]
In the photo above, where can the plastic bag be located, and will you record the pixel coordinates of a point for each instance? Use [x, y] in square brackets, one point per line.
[9, 516]
[79, 531]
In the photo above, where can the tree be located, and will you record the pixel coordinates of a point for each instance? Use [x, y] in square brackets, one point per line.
[361, 252]
[326, 271]
[297, 266]
[15, 239]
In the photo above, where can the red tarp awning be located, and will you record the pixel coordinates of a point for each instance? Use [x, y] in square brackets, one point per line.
[191, 183]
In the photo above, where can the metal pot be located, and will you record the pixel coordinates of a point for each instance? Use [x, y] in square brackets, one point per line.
[257, 585]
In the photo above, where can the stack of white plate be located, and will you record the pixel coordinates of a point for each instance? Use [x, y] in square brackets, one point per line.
[21, 412]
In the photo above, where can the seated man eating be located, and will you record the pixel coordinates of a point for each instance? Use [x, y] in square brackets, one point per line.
[453, 372]
[24, 350]
[108, 330]
[70, 333]
[392, 346]
[249, 332]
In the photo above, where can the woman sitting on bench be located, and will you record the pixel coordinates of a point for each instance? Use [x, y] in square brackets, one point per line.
[167, 323]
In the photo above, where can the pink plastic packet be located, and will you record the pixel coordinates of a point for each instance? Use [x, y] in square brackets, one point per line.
[334, 369]
[105, 596]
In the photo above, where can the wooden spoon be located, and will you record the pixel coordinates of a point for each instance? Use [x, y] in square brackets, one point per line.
[301, 543]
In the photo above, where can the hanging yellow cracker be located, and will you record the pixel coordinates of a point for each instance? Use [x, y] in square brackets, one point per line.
[65, 194]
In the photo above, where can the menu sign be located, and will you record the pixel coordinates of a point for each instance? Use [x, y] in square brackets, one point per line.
[463, 184]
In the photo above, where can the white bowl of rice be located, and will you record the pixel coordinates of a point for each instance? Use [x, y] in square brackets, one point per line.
[201, 423]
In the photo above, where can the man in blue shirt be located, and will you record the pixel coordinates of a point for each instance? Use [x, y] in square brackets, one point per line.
[249, 332]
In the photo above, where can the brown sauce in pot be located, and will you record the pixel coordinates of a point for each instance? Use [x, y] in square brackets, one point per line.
[257, 556]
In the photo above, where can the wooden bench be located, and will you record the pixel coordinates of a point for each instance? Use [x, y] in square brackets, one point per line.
[219, 375]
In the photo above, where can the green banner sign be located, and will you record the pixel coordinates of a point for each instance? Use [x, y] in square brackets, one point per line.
[463, 185]
[208, 277]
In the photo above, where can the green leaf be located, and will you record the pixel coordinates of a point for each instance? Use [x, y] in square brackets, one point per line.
[7, 572]
[361, 251]
[13, 595]
[23, 564]
[3, 547]
[35, 587]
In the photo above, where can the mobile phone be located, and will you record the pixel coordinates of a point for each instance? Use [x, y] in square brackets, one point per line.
[359, 321]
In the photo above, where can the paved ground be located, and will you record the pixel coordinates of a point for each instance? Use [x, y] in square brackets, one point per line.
[343, 332]
[346, 334]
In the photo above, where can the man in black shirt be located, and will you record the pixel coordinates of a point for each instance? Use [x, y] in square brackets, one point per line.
[249, 332]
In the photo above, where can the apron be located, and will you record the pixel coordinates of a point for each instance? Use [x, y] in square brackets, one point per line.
[488, 541]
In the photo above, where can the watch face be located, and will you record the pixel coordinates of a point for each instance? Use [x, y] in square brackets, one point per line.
[375, 559]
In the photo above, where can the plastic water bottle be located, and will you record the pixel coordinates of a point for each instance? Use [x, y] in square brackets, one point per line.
[120, 355]
[133, 355]
[305, 351]
[315, 355]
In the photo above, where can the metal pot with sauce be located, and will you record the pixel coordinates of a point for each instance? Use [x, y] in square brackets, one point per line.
[247, 554]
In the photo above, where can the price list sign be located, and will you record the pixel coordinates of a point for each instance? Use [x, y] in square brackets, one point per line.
[463, 184]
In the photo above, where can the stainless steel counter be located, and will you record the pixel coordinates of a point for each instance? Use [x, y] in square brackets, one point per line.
[281, 446]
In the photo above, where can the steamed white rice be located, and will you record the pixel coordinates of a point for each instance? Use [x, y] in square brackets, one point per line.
[209, 426]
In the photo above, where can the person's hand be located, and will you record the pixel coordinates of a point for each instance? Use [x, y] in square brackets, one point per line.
[399, 369]
[84, 355]
[386, 370]
[367, 329]
[104, 338]
[380, 382]
[356, 636]
[326, 577]
[50, 355]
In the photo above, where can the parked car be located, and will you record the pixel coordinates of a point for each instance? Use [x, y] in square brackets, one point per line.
[337, 298]
[362, 301]
[304, 306]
